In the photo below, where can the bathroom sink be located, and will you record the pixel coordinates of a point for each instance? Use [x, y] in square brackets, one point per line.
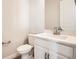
[50, 35]
[64, 37]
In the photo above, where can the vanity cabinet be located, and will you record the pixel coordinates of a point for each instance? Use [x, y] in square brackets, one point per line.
[46, 49]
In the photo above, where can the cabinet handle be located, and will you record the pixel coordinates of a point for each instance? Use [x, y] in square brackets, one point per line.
[46, 55]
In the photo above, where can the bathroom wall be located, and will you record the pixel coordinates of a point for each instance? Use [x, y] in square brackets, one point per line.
[68, 16]
[52, 14]
[21, 17]
[15, 24]
[36, 16]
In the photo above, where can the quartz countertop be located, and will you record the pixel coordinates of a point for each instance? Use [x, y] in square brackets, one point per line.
[61, 39]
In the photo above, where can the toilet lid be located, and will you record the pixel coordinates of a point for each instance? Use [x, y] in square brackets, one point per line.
[24, 47]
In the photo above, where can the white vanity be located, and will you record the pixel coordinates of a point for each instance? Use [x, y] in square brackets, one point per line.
[48, 46]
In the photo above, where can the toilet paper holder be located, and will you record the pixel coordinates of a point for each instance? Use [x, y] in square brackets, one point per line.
[8, 42]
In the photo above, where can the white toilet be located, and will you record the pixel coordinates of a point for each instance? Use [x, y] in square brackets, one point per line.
[25, 49]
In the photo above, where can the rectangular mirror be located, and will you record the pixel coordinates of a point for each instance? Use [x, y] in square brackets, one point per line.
[67, 16]
[60, 13]
[52, 11]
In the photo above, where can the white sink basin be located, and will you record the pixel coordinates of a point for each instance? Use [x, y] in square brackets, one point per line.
[61, 36]
[50, 35]
[64, 37]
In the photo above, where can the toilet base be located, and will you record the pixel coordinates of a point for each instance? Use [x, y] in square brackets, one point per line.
[25, 56]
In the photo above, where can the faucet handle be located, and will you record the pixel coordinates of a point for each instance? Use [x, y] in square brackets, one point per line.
[59, 28]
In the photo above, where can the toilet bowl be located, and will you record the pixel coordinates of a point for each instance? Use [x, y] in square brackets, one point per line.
[24, 50]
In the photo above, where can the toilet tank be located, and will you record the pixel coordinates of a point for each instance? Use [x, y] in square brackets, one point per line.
[31, 39]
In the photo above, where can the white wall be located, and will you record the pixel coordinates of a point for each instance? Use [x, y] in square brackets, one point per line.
[15, 24]
[19, 18]
[67, 16]
[51, 14]
[36, 16]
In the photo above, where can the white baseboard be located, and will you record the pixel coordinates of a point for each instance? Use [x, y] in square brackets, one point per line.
[11, 56]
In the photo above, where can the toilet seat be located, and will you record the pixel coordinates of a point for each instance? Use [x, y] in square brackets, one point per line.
[24, 48]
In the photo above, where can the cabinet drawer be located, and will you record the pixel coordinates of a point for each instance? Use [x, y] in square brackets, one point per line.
[47, 44]
[61, 57]
[42, 43]
[65, 50]
[57, 56]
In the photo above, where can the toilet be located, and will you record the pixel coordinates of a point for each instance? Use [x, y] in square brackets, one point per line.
[23, 50]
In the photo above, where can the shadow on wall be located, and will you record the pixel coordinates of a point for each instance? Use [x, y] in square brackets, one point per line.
[26, 41]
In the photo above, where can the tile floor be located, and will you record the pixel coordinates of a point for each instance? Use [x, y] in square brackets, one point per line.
[19, 57]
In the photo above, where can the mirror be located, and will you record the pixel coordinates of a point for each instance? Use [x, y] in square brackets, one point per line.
[52, 18]
[60, 13]
[67, 16]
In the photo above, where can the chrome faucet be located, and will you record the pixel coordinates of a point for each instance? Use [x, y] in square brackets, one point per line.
[57, 30]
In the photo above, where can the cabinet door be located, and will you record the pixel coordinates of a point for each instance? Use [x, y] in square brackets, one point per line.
[39, 52]
[52, 55]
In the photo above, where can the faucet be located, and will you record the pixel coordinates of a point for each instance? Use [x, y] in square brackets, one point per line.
[57, 30]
